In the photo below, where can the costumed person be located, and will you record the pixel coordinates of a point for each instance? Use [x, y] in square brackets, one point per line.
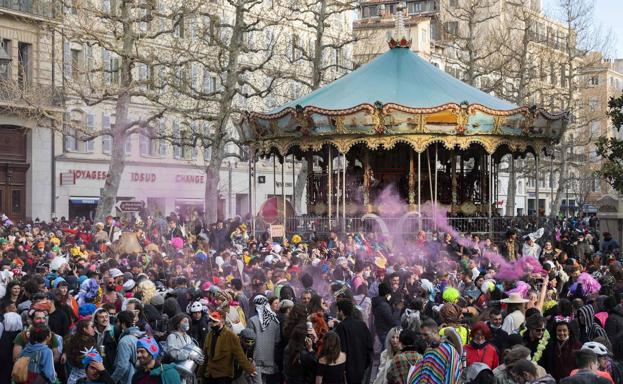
[480, 350]
[95, 371]
[150, 369]
[267, 331]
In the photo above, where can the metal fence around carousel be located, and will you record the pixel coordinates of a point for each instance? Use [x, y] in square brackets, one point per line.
[495, 228]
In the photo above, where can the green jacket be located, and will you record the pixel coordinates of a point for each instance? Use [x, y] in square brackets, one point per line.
[167, 372]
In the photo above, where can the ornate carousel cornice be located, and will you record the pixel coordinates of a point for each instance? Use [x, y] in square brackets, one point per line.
[419, 143]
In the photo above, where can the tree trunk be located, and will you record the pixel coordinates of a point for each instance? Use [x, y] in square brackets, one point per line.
[212, 192]
[562, 184]
[511, 189]
[108, 195]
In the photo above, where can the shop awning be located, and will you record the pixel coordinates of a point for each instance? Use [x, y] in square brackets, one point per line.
[84, 200]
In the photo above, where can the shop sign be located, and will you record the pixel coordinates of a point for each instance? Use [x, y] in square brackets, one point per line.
[89, 175]
[143, 177]
[277, 231]
[192, 179]
[130, 205]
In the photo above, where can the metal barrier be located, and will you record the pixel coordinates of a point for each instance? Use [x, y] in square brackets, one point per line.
[309, 227]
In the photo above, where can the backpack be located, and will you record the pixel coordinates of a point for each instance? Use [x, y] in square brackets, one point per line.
[26, 370]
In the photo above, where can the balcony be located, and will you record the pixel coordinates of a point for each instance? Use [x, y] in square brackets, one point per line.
[39, 8]
[30, 96]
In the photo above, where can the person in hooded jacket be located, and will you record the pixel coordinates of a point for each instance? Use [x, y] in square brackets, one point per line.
[126, 349]
[41, 358]
[614, 322]
[384, 317]
[589, 328]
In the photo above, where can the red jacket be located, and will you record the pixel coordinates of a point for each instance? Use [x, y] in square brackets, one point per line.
[487, 354]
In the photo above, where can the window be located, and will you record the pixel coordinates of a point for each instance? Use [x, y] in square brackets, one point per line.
[179, 27]
[106, 6]
[209, 82]
[595, 129]
[111, 67]
[5, 69]
[76, 62]
[452, 28]
[24, 63]
[177, 150]
[593, 81]
[16, 201]
[162, 131]
[563, 75]
[143, 145]
[207, 150]
[106, 139]
[593, 104]
[128, 145]
[453, 3]
[71, 144]
[90, 129]
[552, 73]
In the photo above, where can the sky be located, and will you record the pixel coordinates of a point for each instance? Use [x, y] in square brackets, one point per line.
[608, 13]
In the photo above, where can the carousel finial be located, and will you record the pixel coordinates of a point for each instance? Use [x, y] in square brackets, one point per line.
[400, 40]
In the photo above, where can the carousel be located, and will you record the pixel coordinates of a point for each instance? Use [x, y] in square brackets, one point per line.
[399, 123]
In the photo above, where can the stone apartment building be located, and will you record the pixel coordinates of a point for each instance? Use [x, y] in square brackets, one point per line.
[46, 173]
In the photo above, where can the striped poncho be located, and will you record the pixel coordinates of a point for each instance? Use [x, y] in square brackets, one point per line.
[441, 365]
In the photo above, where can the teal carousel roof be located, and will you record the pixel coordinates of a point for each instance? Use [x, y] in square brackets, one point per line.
[400, 97]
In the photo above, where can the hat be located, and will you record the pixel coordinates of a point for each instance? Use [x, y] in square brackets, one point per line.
[58, 281]
[157, 300]
[380, 261]
[514, 298]
[195, 307]
[86, 310]
[115, 272]
[129, 285]
[215, 316]
[91, 355]
[451, 295]
[341, 260]
[474, 370]
[286, 304]
[150, 345]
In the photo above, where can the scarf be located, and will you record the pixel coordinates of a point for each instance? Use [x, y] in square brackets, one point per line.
[264, 312]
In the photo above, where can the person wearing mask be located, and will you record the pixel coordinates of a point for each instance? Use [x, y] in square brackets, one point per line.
[150, 369]
[74, 347]
[179, 338]
[356, 341]
[41, 364]
[220, 349]
[267, 331]
[479, 350]
[126, 348]
[558, 356]
[498, 335]
[199, 326]
[105, 341]
[587, 372]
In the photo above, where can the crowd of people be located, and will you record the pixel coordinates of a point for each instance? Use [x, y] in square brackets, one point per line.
[172, 300]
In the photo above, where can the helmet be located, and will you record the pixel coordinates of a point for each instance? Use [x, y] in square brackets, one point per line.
[195, 307]
[598, 348]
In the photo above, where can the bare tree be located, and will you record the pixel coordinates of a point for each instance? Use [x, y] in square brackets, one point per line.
[323, 51]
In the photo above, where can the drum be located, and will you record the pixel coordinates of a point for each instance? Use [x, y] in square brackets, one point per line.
[188, 367]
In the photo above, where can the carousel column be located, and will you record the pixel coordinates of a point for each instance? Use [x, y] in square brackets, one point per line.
[338, 190]
[310, 180]
[490, 193]
[283, 191]
[536, 190]
[419, 182]
[454, 181]
[293, 184]
[344, 192]
[274, 176]
[435, 200]
[366, 181]
[330, 191]
[411, 180]
[253, 200]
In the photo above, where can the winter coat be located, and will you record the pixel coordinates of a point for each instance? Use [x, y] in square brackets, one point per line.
[384, 318]
[560, 361]
[591, 329]
[358, 345]
[45, 359]
[107, 339]
[486, 353]
[614, 323]
[266, 342]
[175, 344]
[584, 376]
[126, 355]
[199, 329]
[220, 364]
[166, 374]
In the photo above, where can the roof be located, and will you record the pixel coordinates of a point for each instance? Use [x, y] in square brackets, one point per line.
[398, 76]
